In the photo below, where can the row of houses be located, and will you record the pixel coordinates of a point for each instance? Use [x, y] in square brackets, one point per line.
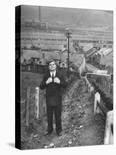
[101, 58]
[56, 40]
[41, 58]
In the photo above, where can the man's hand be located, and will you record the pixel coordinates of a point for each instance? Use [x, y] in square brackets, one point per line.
[56, 80]
[49, 80]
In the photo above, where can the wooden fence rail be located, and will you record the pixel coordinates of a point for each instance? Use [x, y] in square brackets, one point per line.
[100, 106]
[37, 103]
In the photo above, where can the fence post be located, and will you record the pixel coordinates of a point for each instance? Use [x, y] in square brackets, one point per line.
[37, 109]
[27, 106]
[97, 99]
[108, 137]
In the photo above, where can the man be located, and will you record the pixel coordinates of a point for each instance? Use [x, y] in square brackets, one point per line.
[53, 82]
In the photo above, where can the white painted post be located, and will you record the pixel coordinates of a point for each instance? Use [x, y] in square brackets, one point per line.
[87, 84]
[37, 102]
[108, 138]
[96, 101]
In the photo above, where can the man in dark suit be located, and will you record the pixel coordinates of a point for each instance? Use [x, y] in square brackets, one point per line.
[53, 82]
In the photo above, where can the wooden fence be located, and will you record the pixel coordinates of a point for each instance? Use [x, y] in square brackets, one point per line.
[34, 105]
[103, 104]
[34, 68]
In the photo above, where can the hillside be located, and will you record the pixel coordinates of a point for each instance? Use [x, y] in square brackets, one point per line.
[80, 126]
[68, 17]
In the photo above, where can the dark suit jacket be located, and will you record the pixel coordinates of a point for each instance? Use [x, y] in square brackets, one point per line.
[53, 90]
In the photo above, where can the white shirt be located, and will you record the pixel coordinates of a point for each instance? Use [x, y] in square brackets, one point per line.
[53, 74]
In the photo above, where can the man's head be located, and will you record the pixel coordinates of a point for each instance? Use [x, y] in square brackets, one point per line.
[52, 65]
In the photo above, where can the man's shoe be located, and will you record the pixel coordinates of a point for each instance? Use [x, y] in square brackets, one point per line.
[47, 133]
[59, 134]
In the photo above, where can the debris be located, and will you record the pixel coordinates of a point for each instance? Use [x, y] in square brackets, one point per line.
[81, 126]
[45, 146]
[82, 112]
[51, 145]
[35, 136]
[74, 131]
[70, 142]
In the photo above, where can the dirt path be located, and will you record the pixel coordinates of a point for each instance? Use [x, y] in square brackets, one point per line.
[92, 132]
[80, 127]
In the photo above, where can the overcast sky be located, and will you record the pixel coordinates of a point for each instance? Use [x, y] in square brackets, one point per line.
[69, 16]
[32, 12]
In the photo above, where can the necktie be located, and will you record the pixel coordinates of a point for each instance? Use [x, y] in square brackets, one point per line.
[52, 75]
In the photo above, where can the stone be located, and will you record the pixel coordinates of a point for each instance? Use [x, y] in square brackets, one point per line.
[51, 145]
[70, 142]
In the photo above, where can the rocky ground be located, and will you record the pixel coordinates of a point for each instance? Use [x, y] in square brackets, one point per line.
[80, 126]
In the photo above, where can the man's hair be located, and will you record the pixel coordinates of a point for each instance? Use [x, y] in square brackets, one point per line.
[51, 60]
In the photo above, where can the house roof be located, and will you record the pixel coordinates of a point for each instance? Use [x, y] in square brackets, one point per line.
[104, 51]
[107, 59]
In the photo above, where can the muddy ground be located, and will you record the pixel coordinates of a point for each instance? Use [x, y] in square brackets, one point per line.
[80, 126]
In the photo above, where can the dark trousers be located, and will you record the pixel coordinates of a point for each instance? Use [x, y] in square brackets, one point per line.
[56, 111]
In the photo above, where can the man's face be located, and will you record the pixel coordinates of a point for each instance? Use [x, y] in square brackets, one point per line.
[52, 66]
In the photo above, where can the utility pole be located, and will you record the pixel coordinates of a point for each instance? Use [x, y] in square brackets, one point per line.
[39, 8]
[68, 35]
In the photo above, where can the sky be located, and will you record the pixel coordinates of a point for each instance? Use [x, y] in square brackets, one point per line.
[32, 12]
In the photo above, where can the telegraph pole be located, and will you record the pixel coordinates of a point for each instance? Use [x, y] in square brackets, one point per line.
[39, 13]
[68, 35]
